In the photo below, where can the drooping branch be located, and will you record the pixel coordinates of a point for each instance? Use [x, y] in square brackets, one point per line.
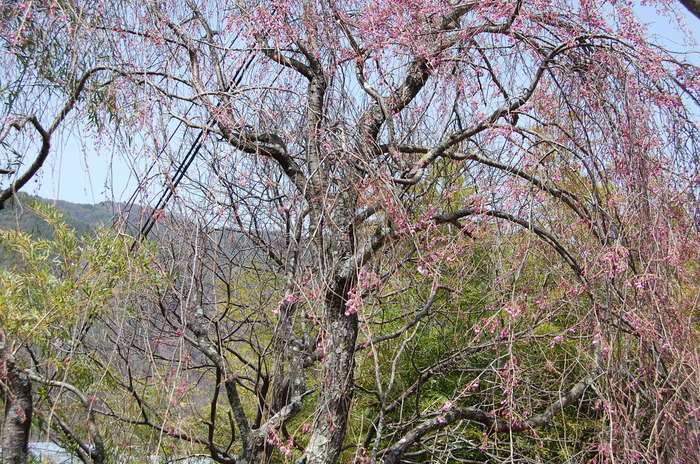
[509, 107]
[394, 454]
[82, 450]
[564, 195]
[419, 71]
[45, 135]
[205, 345]
[288, 62]
[441, 367]
[424, 311]
[571, 200]
[543, 234]
[34, 167]
[97, 451]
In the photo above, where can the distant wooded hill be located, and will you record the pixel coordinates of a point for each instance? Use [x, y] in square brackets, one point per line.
[84, 218]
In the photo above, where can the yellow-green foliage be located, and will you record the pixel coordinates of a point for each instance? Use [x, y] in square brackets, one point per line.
[51, 283]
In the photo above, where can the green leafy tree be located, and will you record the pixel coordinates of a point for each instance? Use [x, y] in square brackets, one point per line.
[51, 293]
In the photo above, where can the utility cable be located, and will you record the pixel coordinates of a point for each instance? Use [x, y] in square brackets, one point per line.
[189, 157]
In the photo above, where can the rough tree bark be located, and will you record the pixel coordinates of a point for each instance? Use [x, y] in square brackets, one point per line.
[337, 378]
[17, 393]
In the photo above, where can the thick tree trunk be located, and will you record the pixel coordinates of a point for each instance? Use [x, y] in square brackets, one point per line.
[337, 379]
[18, 409]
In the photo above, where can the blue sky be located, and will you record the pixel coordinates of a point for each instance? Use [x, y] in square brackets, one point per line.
[79, 173]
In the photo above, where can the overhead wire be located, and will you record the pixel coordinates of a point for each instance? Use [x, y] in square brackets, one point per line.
[132, 198]
[189, 157]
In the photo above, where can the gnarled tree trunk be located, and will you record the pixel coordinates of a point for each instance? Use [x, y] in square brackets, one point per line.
[337, 379]
[17, 392]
